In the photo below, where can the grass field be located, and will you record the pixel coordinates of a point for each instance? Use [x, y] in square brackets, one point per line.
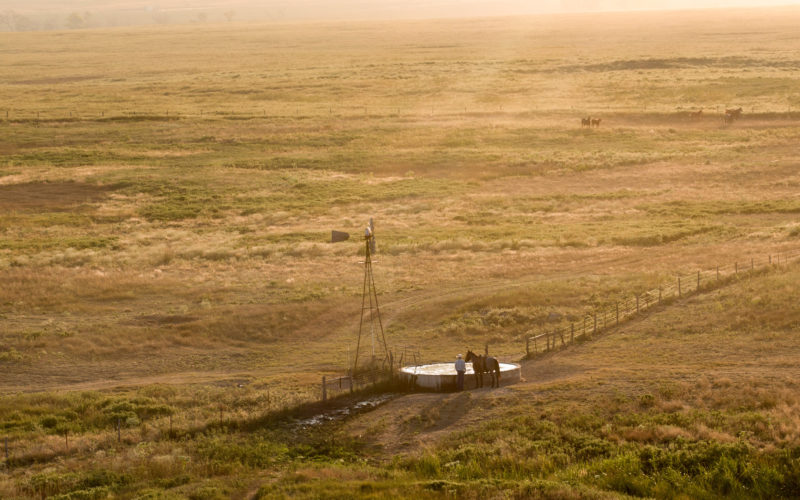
[167, 194]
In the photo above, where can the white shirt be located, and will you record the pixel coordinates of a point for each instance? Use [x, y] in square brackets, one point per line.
[461, 366]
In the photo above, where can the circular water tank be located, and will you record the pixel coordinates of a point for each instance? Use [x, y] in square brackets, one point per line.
[442, 376]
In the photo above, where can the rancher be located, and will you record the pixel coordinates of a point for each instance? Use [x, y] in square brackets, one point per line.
[461, 369]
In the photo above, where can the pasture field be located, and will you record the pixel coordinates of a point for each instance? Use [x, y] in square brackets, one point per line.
[167, 194]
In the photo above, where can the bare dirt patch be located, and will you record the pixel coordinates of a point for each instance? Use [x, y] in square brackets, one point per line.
[172, 319]
[412, 423]
[53, 196]
[58, 80]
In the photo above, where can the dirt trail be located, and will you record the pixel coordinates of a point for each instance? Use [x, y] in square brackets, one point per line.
[410, 424]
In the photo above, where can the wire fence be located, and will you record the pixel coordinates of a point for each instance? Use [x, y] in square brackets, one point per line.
[611, 316]
[35, 444]
[46, 444]
[372, 374]
[355, 111]
[36, 447]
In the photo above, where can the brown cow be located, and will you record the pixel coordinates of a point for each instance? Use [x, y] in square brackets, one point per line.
[735, 113]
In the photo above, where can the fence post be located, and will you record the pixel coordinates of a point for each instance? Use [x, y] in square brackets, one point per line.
[324, 390]
[752, 263]
[770, 260]
[6, 440]
[637, 303]
[66, 441]
[679, 286]
[595, 322]
[584, 326]
[659, 295]
[547, 339]
[572, 333]
[527, 346]
[486, 349]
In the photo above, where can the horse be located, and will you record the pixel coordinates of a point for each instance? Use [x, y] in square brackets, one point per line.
[696, 115]
[484, 364]
[728, 118]
[596, 122]
[586, 122]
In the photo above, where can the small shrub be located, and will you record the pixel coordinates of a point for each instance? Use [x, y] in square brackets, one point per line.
[98, 493]
[647, 401]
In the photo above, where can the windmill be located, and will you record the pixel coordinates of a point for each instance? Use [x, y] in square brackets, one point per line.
[370, 312]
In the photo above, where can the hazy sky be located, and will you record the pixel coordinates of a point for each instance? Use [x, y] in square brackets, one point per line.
[24, 15]
[389, 5]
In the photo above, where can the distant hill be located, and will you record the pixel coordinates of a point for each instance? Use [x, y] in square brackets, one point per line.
[32, 15]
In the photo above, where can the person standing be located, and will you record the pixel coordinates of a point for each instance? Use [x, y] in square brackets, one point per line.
[461, 368]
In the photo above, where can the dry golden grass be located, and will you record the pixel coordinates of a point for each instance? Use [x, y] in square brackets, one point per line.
[202, 238]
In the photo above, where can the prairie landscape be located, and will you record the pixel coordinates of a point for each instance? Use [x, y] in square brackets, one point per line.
[170, 299]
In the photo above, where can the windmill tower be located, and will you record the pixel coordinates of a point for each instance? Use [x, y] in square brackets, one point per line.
[370, 312]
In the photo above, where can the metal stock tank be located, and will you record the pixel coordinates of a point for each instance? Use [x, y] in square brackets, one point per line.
[442, 376]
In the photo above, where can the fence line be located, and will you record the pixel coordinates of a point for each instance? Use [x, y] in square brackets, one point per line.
[372, 374]
[349, 111]
[175, 424]
[684, 285]
[23, 449]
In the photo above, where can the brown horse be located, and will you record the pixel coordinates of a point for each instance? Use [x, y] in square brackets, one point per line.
[484, 364]
[596, 122]
[696, 115]
[586, 122]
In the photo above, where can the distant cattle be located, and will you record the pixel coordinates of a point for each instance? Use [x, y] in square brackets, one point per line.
[731, 115]
[735, 113]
